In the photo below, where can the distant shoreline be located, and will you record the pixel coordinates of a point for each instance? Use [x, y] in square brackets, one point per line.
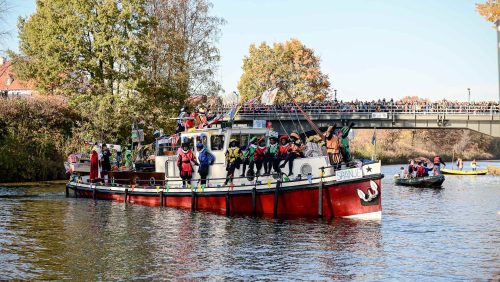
[33, 183]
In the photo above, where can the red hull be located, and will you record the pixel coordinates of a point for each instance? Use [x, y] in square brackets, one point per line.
[339, 200]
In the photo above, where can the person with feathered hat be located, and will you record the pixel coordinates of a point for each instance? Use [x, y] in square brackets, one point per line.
[233, 160]
[333, 147]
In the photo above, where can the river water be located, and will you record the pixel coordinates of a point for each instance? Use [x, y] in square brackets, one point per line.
[425, 234]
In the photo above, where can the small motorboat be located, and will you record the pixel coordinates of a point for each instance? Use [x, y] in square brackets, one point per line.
[434, 181]
[463, 172]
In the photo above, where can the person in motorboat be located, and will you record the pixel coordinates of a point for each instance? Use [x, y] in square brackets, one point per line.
[411, 169]
[248, 157]
[205, 159]
[233, 160]
[271, 157]
[259, 155]
[420, 169]
[426, 172]
[184, 159]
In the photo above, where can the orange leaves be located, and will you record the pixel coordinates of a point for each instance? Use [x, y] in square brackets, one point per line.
[290, 61]
[489, 10]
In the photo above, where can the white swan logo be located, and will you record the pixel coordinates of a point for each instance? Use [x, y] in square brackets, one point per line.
[371, 193]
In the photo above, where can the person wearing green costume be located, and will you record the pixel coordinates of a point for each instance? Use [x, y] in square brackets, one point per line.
[248, 157]
[344, 142]
[271, 156]
[128, 157]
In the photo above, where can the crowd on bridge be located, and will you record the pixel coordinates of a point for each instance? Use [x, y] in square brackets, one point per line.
[383, 105]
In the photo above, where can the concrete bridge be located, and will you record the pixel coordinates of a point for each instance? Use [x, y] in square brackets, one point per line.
[486, 122]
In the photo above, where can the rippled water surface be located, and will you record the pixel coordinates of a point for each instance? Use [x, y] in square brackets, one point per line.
[425, 234]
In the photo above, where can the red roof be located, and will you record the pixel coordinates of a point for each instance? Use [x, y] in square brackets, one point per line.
[8, 80]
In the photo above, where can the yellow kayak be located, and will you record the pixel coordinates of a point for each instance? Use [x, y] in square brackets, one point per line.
[463, 172]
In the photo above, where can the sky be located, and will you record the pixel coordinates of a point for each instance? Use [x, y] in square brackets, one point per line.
[369, 49]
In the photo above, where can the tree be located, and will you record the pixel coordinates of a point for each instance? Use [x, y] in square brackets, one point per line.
[182, 46]
[4, 8]
[73, 46]
[292, 62]
[489, 10]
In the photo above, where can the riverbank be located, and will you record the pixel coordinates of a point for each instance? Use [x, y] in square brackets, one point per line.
[34, 184]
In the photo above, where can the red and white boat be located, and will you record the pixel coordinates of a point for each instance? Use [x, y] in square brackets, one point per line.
[317, 190]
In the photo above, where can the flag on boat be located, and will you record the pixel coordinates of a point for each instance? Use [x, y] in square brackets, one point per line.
[374, 137]
[269, 96]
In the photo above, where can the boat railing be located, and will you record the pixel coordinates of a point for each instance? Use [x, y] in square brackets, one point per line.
[163, 183]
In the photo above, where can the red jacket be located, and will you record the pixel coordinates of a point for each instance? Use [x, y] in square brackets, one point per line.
[259, 153]
[420, 171]
[283, 151]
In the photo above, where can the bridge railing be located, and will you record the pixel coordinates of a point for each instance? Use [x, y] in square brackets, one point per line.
[325, 110]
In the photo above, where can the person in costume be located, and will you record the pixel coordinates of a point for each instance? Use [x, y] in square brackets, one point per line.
[296, 151]
[181, 119]
[94, 163]
[283, 149]
[271, 157]
[248, 157]
[344, 143]
[184, 159]
[333, 147]
[233, 160]
[312, 148]
[259, 155]
[128, 157]
[205, 159]
[106, 161]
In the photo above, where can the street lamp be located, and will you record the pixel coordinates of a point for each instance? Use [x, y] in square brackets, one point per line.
[497, 23]
[335, 91]
[468, 89]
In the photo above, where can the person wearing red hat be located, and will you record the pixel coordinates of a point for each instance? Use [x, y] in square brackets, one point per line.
[283, 149]
[259, 155]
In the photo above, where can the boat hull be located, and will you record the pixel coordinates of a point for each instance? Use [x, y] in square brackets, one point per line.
[463, 172]
[338, 199]
[423, 182]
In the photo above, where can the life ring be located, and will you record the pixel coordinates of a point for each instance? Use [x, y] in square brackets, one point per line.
[152, 181]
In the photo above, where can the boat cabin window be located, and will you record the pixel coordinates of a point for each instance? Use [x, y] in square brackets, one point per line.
[201, 139]
[216, 142]
[244, 139]
[189, 141]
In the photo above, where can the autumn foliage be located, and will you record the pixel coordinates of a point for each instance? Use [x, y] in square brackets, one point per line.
[291, 62]
[489, 10]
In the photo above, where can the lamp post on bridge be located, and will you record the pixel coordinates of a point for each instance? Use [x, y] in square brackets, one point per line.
[497, 23]
[468, 104]
[335, 91]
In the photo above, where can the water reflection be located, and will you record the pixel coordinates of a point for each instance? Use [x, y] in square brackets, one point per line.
[449, 233]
